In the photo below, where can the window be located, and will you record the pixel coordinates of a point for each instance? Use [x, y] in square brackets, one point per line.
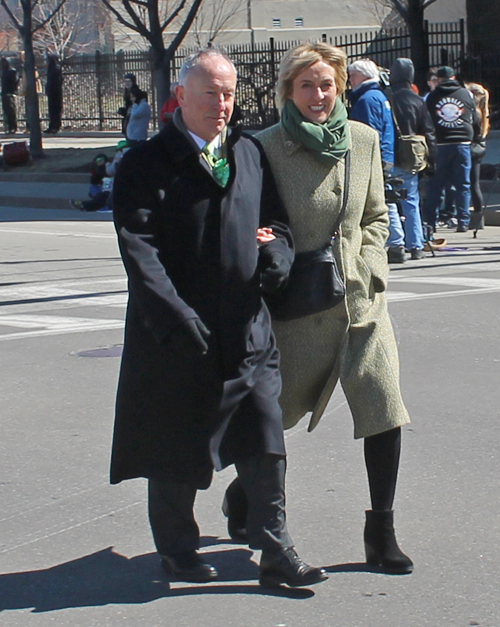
[276, 22]
[299, 22]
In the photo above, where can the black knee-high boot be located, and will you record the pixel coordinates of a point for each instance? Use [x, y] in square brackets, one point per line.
[235, 508]
[382, 453]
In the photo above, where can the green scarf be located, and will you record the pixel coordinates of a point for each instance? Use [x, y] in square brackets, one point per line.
[328, 142]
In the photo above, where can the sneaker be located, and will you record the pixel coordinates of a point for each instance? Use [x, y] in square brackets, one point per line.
[462, 228]
[396, 254]
[417, 253]
[76, 204]
[452, 223]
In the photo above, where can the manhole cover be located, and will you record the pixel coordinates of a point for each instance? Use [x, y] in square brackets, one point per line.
[108, 351]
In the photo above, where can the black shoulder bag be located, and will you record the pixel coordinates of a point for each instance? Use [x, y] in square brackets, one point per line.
[315, 283]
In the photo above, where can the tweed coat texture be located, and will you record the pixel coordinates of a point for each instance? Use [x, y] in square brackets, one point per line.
[190, 251]
[353, 342]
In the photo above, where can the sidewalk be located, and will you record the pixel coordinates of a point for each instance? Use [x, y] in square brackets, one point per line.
[19, 188]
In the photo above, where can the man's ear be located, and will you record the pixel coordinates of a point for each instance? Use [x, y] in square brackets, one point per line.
[179, 94]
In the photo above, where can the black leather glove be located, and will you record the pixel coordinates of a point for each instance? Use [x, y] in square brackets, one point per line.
[191, 335]
[274, 274]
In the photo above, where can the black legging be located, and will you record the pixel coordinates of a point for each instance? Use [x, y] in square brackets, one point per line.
[382, 452]
[475, 186]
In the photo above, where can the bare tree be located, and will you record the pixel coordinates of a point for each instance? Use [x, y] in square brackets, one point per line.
[213, 19]
[412, 13]
[66, 34]
[150, 19]
[27, 24]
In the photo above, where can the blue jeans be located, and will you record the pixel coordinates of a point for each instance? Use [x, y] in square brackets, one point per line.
[453, 164]
[414, 233]
[396, 233]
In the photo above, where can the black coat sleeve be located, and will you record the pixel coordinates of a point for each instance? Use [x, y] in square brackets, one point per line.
[274, 215]
[135, 210]
[426, 128]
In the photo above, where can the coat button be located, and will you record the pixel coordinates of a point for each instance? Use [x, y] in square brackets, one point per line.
[337, 190]
[289, 145]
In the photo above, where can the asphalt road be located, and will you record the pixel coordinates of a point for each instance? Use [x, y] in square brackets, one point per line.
[77, 552]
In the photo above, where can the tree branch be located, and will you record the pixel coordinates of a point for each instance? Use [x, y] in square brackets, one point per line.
[402, 9]
[176, 42]
[140, 27]
[173, 15]
[51, 15]
[13, 18]
[118, 16]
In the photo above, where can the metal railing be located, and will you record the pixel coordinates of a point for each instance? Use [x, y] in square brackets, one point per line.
[93, 83]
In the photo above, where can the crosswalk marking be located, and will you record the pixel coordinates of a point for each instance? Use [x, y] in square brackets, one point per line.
[62, 294]
[53, 325]
[58, 233]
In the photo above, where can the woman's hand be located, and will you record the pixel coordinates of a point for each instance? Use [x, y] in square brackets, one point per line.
[265, 235]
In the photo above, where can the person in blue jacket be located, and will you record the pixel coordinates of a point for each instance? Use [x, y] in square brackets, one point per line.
[370, 105]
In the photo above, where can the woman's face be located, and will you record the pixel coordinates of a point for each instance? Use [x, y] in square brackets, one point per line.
[128, 83]
[314, 92]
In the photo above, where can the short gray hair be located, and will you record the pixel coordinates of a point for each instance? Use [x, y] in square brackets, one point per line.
[197, 57]
[366, 67]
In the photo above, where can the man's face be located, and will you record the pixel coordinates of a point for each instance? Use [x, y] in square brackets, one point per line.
[356, 78]
[128, 83]
[207, 97]
[433, 82]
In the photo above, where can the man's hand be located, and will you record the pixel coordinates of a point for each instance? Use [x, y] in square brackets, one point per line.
[275, 273]
[191, 335]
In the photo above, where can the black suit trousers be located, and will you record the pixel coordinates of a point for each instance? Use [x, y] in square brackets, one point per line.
[263, 478]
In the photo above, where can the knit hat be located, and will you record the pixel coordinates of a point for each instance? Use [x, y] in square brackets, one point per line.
[445, 72]
[366, 67]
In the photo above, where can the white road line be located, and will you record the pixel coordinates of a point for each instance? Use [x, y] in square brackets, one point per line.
[54, 325]
[71, 527]
[59, 233]
[400, 296]
[450, 280]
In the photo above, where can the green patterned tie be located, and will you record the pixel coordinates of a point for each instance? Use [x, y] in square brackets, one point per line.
[220, 167]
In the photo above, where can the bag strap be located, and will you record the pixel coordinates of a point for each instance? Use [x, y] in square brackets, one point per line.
[347, 175]
[391, 102]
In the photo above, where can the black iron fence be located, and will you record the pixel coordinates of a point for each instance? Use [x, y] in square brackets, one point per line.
[93, 84]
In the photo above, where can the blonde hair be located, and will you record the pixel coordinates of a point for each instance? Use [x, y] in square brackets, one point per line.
[295, 61]
[482, 102]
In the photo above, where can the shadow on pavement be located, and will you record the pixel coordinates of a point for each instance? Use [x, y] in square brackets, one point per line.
[107, 577]
[359, 567]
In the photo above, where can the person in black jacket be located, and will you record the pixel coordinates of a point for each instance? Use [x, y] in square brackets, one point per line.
[10, 82]
[413, 118]
[53, 89]
[456, 123]
[199, 380]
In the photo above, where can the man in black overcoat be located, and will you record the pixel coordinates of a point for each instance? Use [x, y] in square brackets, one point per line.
[202, 233]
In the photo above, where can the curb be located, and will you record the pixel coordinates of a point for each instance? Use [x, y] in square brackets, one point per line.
[34, 202]
[44, 177]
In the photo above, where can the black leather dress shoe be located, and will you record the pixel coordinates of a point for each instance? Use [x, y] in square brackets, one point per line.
[285, 566]
[188, 567]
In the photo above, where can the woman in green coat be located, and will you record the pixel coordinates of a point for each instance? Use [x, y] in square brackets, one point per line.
[353, 342]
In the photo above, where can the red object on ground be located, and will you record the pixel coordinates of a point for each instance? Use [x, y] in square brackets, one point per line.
[16, 153]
